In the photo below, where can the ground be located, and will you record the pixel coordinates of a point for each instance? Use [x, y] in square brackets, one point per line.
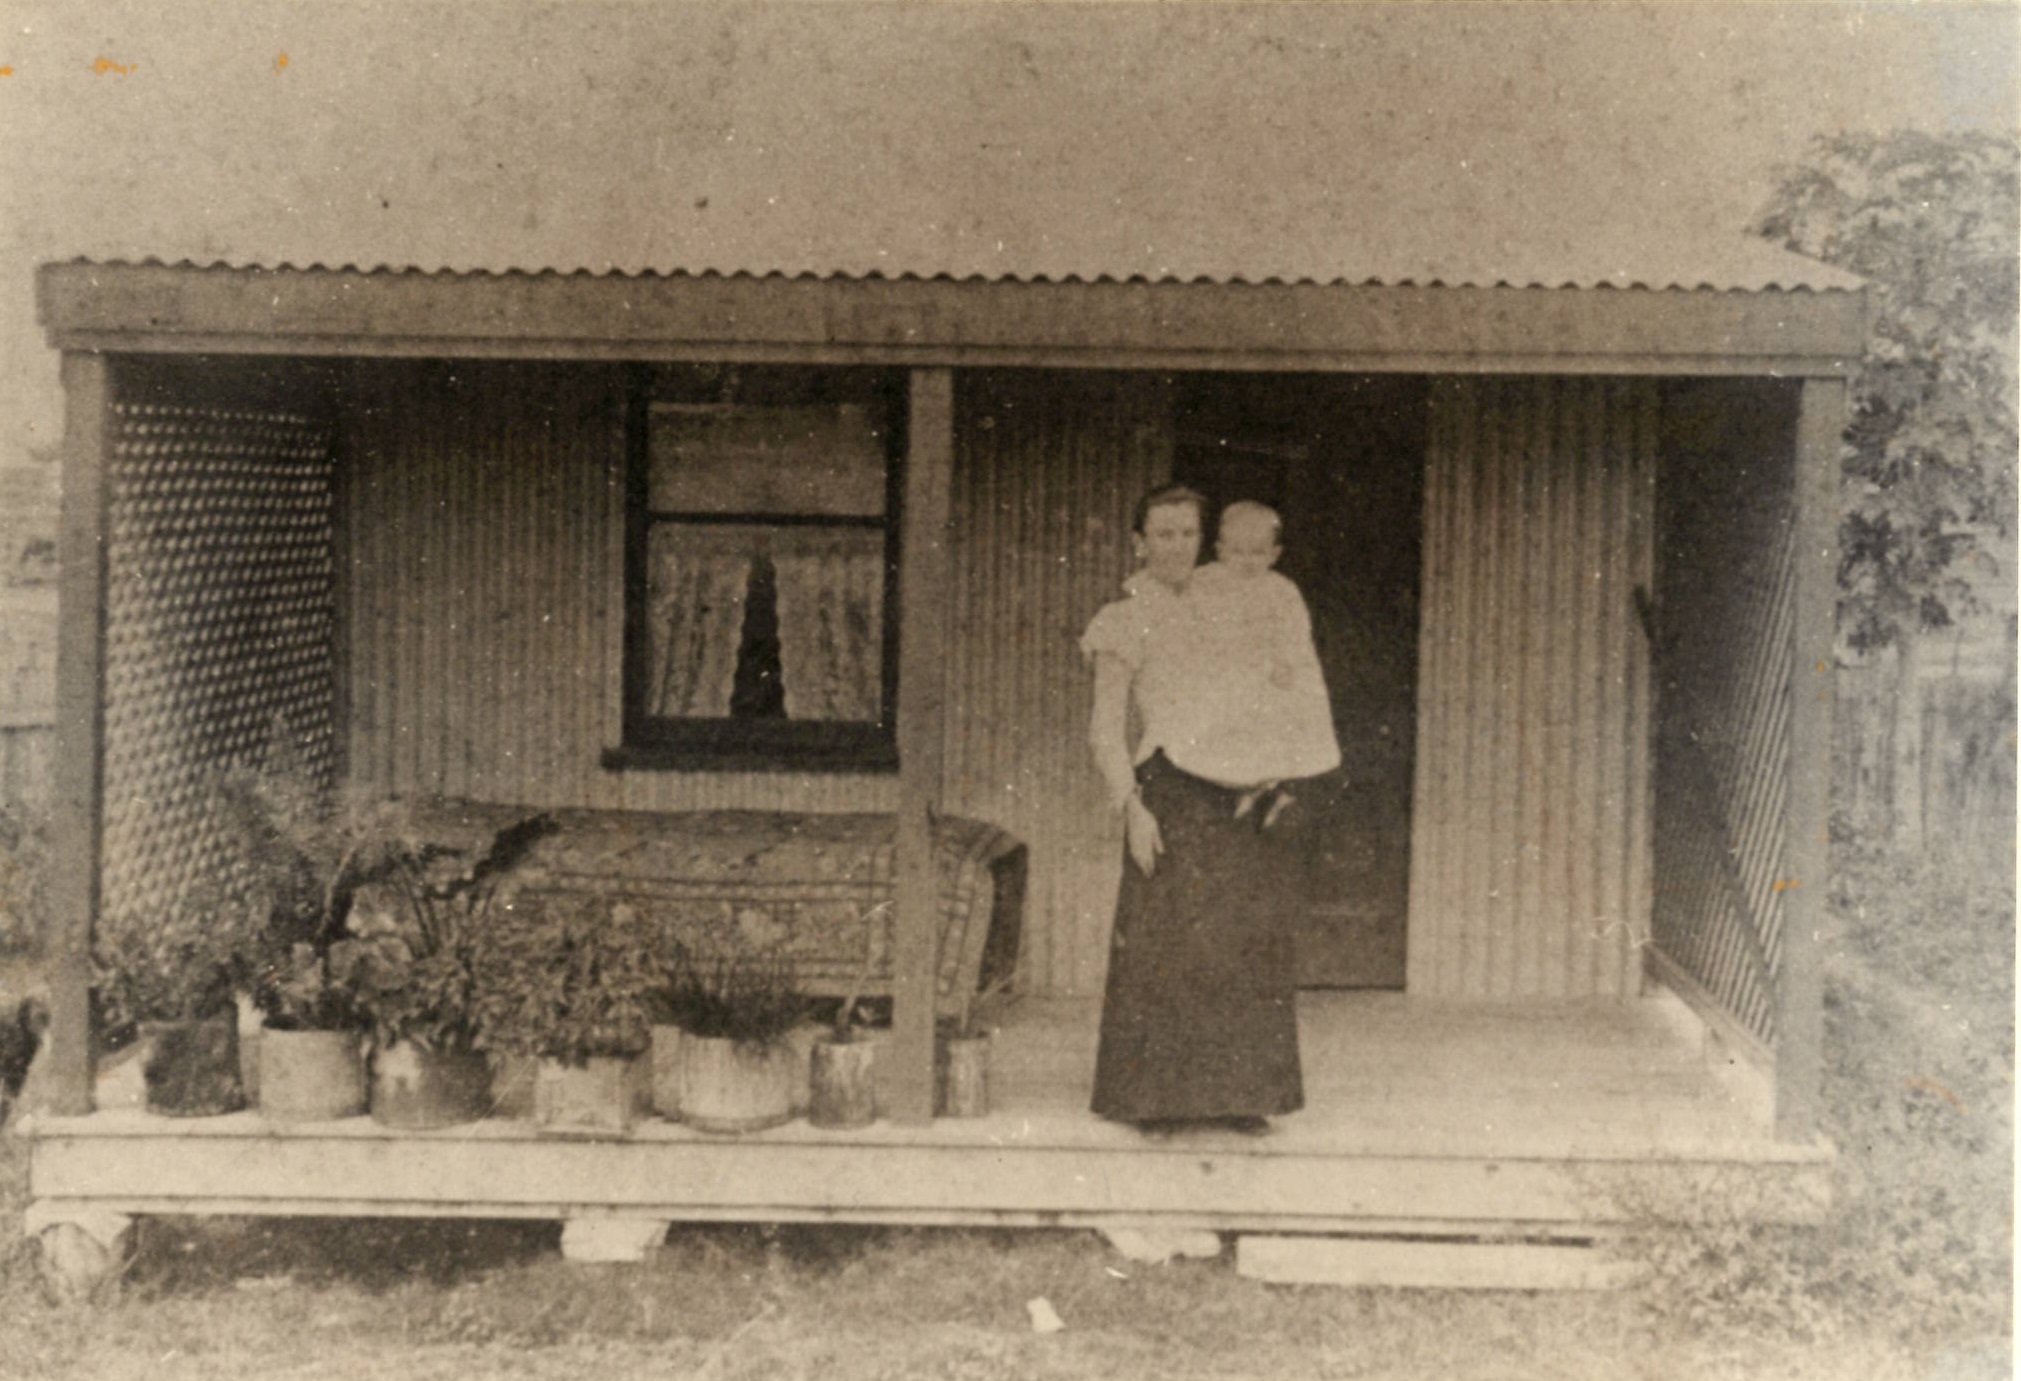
[1911, 1279]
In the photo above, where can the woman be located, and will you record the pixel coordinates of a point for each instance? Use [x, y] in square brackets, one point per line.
[1198, 1022]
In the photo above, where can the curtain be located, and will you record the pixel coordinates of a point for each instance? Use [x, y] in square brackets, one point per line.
[831, 622]
[696, 580]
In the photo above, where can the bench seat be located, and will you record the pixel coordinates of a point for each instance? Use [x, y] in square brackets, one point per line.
[819, 887]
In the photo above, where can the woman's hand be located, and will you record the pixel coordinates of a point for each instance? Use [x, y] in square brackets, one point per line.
[1140, 827]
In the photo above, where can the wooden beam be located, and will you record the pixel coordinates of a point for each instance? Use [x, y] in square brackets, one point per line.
[1358, 1262]
[243, 1164]
[1350, 327]
[925, 570]
[1799, 1073]
[819, 353]
[78, 816]
[1193, 1220]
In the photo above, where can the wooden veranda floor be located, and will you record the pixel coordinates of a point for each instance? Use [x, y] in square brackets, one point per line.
[1421, 1118]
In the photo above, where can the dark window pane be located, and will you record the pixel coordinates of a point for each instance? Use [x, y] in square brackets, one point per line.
[817, 460]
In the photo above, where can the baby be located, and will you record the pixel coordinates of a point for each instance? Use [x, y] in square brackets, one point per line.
[1271, 720]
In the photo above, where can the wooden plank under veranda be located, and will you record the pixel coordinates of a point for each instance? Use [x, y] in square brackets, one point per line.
[924, 579]
[80, 685]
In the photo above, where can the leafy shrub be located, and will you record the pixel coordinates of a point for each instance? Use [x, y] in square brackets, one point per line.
[567, 986]
[414, 931]
[181, 961]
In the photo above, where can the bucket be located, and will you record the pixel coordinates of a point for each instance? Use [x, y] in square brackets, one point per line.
[843, 1089]
[961, 1083]
[311, 1076]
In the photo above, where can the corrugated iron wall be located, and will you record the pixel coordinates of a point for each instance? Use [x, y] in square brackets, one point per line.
[1724, 606]
[486, 596]
[486, 611]
[1530, 855]
[1047, 469]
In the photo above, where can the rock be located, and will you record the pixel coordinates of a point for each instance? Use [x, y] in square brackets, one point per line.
[1045, 1319]
[1154, 1246]
[79, 1248]
[612, 1239]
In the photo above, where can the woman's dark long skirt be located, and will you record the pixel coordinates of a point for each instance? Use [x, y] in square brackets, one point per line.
[1199, 1019]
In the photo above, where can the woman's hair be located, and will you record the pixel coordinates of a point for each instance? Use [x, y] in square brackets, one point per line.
[1164, 496]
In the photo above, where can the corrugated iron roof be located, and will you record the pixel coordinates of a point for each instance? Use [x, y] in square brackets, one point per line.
[1818, 278]
[1385, 144]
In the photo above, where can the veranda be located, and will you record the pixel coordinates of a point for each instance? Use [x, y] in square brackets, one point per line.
[1596, 806]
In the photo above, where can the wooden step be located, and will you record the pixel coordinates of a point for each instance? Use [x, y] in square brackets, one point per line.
[1430, 1264]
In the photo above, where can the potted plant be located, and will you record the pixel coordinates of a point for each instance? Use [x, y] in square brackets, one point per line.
[296, 859]
[569, 990]
[173, 974]
[735, 1011]
[842, 1069]
[409, 961]
[663, 1046]
[961, 1053]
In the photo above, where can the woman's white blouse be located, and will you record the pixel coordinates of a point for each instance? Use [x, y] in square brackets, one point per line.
[1149, 631]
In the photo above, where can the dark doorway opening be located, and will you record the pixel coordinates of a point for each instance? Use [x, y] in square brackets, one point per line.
[1341, 458]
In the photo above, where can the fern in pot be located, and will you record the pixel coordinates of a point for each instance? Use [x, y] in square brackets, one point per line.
[569, 988]
[413, 937]
[735, 1011]
[296, 858]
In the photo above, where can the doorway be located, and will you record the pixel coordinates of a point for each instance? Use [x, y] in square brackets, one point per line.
[1341, 458]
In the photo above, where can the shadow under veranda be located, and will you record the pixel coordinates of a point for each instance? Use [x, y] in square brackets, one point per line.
[185, 1256]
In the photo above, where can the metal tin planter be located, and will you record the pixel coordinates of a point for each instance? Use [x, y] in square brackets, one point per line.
[192, 1067]
[311, 1076]
[602, 1096]
[416, 1089]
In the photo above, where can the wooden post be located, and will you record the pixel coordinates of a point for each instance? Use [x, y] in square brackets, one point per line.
[1799, 1054]
[80, 728]
[923, 579]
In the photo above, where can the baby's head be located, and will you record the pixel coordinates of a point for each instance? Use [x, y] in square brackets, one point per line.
[1248, 540]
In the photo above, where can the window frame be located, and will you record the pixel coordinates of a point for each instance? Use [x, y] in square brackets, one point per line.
[652, 741]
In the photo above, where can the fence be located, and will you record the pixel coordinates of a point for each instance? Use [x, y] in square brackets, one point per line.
[1926, 752]
[27, 695]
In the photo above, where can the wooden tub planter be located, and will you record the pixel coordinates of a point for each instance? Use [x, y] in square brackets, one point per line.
[664, 1058]
[842, 1082]
[730, 1086]
[961, 1075]
[601, 1095]
[311, 1076]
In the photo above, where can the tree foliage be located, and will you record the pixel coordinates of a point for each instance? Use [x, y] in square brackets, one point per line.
[1930, 221]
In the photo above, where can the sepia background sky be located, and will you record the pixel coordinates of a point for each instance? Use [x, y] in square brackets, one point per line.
[1538, 141]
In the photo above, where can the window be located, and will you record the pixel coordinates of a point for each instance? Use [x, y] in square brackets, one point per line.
[761, 564]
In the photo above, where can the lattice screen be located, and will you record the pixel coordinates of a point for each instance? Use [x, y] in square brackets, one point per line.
[220, 619]
[1719, 887]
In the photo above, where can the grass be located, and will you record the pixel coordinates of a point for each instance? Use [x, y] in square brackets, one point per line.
[1911, 1278]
